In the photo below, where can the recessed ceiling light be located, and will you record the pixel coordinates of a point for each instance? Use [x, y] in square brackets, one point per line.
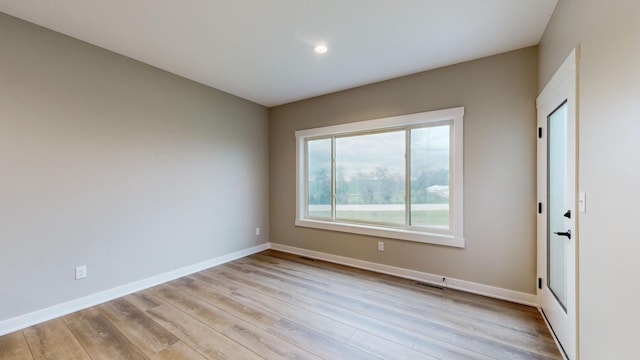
[320, 49]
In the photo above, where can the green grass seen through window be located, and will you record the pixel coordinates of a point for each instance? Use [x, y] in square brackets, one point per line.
[418, 217]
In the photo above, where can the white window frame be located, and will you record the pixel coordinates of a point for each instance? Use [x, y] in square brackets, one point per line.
[454, 237]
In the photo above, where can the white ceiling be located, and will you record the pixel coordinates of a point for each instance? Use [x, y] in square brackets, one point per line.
[262, 50]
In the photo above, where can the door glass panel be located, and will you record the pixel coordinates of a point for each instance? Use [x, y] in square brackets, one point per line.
[557, 173]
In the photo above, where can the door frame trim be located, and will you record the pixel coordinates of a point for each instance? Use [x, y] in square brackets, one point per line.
[569, 67]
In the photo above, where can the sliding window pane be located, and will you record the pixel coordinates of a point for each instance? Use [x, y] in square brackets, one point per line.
[430, 159]
[319, 178]
[370, 178]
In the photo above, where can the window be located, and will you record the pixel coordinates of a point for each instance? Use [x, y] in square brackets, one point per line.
[397, 177]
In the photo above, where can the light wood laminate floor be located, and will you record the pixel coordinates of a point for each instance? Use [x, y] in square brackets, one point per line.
[274, 305]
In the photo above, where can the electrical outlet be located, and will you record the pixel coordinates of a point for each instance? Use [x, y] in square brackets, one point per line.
[380, 246]
[81, 272]
[257, 231]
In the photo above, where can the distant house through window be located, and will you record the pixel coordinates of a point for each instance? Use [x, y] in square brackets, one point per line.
[398, 177]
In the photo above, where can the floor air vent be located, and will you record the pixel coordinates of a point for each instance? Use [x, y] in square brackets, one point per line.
[429, 285]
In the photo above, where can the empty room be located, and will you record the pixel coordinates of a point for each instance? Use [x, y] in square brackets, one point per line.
[357, 179]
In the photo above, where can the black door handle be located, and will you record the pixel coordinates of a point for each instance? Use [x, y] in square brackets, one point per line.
[567, 234]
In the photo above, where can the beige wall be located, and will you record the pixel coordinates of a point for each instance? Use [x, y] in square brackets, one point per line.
[608, 33]
[111, 163]
[498, 94]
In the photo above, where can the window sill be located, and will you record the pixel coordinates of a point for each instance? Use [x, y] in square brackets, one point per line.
[400, 234]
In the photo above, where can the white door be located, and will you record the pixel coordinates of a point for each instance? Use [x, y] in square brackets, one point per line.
[557, 232]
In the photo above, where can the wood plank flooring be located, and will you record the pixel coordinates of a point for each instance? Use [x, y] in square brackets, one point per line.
[274, 305]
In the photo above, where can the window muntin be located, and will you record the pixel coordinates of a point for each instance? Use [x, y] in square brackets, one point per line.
[397, 177]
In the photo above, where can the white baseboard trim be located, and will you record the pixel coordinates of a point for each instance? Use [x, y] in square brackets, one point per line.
[55, 311]
[39, 316]
[467, 286]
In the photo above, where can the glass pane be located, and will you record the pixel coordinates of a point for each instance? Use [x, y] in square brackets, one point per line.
[430, 159]
[370, 178]
[557, 173]
[319, 178]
